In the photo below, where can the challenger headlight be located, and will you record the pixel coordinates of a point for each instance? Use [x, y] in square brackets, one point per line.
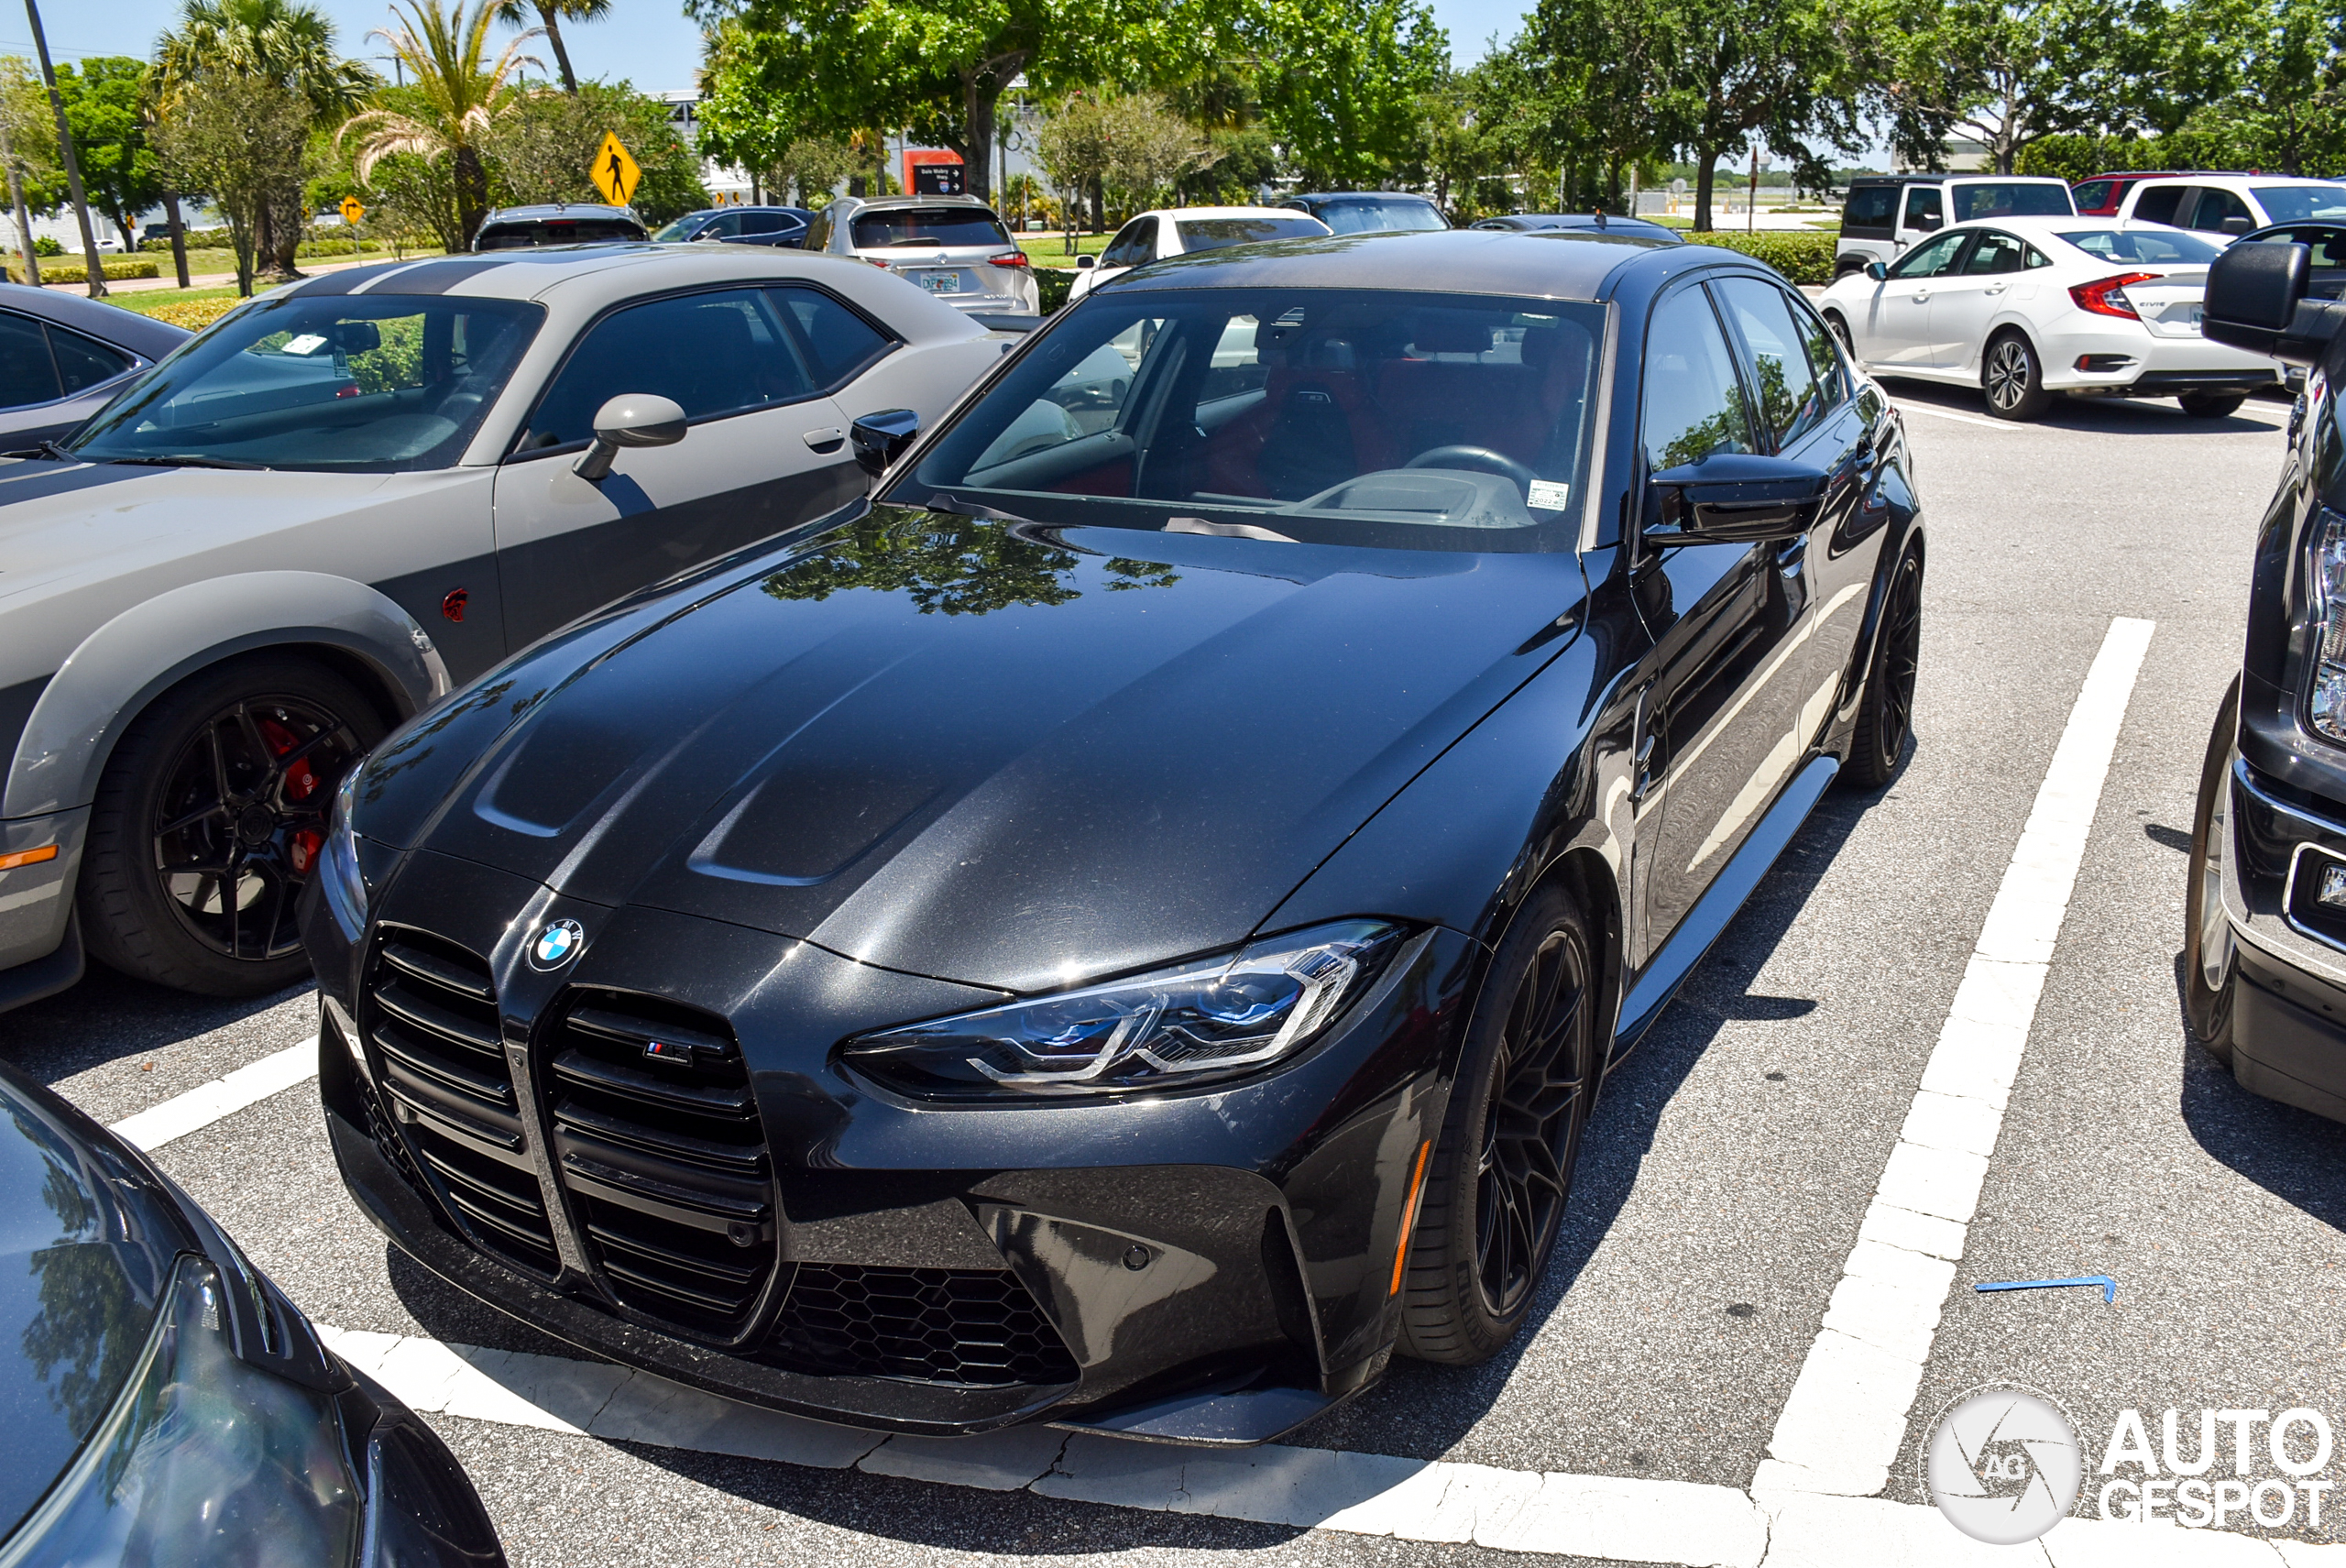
[1211, 1019]
[204, 1459]
[338, 874]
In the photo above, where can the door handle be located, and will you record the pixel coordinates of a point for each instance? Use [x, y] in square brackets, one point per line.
[826, 439]
[1921, 295]
[1642, 769]
[1996, 288]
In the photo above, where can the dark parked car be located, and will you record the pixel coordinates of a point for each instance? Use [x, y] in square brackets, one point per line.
[1599, 223]
[61, 356]
[520, 228]
[168, 1404]
[1369, 211]
[2101, 196]
[1126, 927]
[741, 225]
[2325, 245]
[2264, 910]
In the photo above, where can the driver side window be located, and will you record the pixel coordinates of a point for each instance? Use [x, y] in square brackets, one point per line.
[1932, 260]
[710, 354]
[1136, 243]
[1694, 399]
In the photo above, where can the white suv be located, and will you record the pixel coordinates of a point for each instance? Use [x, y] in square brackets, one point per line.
[1884, 214]
[2225, 206]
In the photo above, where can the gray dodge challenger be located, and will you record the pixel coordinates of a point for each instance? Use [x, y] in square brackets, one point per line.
[308, 521]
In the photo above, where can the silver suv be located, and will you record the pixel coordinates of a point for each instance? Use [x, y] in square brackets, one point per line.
[954, 246]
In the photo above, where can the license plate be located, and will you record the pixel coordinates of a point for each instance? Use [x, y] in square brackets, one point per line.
[941, 282]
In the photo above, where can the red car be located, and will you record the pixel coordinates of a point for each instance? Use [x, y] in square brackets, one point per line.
[2101, 196]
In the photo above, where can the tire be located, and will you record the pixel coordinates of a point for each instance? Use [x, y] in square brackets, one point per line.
[1840, 330]
[2209, 970]
[2213, 405]
[1886, 711]
[1500, 1176]
[208, 821]
[2012, 377]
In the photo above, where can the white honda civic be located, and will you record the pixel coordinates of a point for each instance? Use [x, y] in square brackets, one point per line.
[2026, 308]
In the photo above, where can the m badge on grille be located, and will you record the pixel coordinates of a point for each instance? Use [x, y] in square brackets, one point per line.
[557, 945]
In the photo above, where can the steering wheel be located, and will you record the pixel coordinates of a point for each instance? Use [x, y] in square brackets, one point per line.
[1481, 458]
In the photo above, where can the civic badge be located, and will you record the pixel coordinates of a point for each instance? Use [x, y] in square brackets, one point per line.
[557, 945]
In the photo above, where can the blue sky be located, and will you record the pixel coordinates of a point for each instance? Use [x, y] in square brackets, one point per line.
[647, 42]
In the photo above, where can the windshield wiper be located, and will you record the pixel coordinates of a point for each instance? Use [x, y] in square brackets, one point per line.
[182, 460]
[47, 450]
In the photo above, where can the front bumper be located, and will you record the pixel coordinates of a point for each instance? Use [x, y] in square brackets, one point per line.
[1213, 1267]
[2289, 990]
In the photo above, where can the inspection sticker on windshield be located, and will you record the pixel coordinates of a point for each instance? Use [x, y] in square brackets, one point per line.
[1548, 495]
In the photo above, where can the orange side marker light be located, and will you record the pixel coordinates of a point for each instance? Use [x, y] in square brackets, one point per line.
[28, 857]
[1409, 1215]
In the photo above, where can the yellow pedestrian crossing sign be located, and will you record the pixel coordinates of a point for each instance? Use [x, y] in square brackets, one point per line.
[615, 172]
[351, 211]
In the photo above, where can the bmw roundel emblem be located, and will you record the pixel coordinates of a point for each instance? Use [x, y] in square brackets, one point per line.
[556, 944]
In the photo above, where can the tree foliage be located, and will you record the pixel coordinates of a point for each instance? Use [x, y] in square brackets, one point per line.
[449, 109]
[235, 142]
[1341, 84]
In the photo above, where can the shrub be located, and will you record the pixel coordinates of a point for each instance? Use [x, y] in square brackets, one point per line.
[77, 272]
[1801, 258]
[193, 315]
[44, 245]
[1052, 284]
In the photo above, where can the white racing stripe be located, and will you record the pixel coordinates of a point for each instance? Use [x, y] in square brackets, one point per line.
[1843, 1426]
[201, 1106]
[1593, 1517]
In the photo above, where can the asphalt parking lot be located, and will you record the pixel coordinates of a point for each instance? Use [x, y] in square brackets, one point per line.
[1727, 1176]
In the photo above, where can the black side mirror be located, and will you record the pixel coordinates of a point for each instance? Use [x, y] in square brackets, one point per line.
[2256, 301]
[2237, 226]
[1086, 263]
[1877, 271]
[1733, 498]
[880, 439]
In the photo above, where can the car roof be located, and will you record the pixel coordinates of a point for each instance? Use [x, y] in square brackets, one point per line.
[1360, 196]
[2254, 182]
[1566, 264]
[622, 270]
[865, 204]
[538, 211]
[1178, 212]
[1944, 179]
[143, 336]
[1578, 221]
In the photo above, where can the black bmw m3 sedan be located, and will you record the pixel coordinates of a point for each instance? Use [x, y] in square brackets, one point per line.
[1126, 927]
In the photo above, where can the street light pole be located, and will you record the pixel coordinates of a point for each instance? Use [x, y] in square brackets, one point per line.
[72, 164]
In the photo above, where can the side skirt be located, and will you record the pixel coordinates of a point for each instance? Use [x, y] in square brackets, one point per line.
[1716, 907]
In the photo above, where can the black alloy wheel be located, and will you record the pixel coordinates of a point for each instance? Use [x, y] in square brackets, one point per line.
[1495, 1192]
[2014, 384]
[2208, 966]
[1886, 713]
[210, 820]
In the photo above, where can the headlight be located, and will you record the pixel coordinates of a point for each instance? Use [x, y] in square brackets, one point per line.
[204, 1460]
[1213, 1019]
[2326, 703]
[338, 874]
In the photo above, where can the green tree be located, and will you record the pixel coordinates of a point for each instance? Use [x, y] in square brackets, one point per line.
[287, 48]
[456, 93]
[551, 15]
[106, 102]
[540, 145]
[233, 142]
[1342, 82]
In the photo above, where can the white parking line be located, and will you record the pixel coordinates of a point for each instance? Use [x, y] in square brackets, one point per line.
[1949, 413]
[199, 1107]
[1841, 1429]
[1604, 1518]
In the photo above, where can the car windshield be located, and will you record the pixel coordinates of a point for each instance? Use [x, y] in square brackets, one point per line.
[554, 231]
[336, 382]
[1213, 233]
[683, 229]
[1330, 416]
[2298, 203]
[2010, 201]
[1376, 217]
[929, 226]
[2170, 246]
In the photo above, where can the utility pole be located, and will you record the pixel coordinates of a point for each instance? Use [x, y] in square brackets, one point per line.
[65, 150]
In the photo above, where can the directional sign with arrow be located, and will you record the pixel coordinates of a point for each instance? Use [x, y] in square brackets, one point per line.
[351, 211]
[615, 171]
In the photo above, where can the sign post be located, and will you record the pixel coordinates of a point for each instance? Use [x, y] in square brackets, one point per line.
[615, 171]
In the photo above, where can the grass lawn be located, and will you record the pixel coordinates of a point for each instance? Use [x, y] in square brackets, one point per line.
[1050, 249]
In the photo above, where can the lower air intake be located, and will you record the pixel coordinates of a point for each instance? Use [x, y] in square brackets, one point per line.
[937, 1325]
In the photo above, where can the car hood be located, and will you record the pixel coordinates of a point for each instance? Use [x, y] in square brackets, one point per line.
[974, 749]
[65, 521]
[83, 1261]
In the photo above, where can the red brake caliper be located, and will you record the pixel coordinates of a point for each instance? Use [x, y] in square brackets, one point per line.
[301, 781]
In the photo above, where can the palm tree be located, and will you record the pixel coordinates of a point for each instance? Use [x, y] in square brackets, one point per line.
[551, 15]
[283, 44]
[456, 90]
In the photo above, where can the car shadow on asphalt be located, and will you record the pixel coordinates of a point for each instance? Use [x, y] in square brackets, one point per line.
[2095, 416]
[106, 1016]
[1422, 1410]
[2297, 1156]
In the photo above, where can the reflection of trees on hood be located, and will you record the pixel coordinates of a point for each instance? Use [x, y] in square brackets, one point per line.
[91, 1326]
[956, 565]
[413, 747]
